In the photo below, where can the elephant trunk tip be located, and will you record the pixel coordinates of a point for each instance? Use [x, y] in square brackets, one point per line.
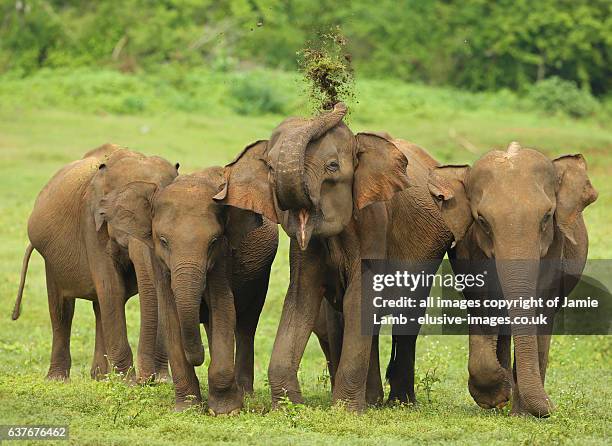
[195, 355]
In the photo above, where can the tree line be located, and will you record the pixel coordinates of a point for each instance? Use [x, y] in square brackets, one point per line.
[471, 44]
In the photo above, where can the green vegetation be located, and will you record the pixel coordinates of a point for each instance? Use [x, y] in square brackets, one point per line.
[474, 44]
[202, 118]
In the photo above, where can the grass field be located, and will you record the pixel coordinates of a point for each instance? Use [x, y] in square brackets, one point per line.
[38, 136]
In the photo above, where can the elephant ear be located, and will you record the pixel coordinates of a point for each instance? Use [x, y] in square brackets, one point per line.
[247, 184]
[128, 210]
[575, 192]
[381, 169]
[447, 186]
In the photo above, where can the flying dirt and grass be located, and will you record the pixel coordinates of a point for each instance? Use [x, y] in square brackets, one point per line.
[202, 118]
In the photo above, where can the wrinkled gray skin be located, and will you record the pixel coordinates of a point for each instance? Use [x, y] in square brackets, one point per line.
[212, 266]
[336, 195]
[87, 257]
[524, 211]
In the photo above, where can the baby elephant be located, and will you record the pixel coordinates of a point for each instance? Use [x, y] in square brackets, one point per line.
[524, 212]
[212, 265]
[87, 257]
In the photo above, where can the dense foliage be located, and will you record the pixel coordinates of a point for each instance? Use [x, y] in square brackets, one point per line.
[475, 44]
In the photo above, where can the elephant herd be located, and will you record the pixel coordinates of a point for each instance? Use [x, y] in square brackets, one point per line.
[198, 248]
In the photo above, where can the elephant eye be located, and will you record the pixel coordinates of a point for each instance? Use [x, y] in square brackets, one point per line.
[163, 241]
[332, 166]
[484, 224]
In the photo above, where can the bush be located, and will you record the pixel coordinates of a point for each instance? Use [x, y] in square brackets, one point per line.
[555, 95]
[253, 95]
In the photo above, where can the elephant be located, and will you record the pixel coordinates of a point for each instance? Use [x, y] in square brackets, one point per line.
[340, 197]
[522, 211]
[86, 257]
[212, 266]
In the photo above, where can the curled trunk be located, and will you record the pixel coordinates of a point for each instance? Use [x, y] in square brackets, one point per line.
[291, 188]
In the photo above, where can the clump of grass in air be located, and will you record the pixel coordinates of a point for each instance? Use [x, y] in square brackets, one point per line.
[326, 66]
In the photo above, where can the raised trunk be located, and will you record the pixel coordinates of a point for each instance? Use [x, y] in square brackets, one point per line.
[519, 279]
[291, 189]
[188, 283]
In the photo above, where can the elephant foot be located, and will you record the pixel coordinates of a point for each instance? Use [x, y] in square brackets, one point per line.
[225, 402]
[356, 405]
[493, 395]
[156, 375]
[233, 413]
[350, 400]
[540, 408]
[401, 397]
[162, 373]
[374, 397]
[187, 403]
[58, 374]
[100, 369]
[98, 374]
[246, 385]
[163, 377]
[281, 394]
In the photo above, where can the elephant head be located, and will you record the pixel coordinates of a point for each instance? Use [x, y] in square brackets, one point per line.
[120, 189]
[188, 236]
[513, 204]
[313, 175]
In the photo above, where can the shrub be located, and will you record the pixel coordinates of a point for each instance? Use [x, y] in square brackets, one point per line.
[555, 95]
[253, 94]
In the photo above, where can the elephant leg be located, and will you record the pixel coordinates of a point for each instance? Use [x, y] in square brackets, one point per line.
[250, 304]
[352, 374]
[61, 311]
[321, 332]
[300, 310]
[335, 329]
[111, 293]
[374, 388]
[147, 343]
[400, 371]
[245, 356]
[99, 366]
[489, 382]
[324, 344]
[224, 395]
[504, 352]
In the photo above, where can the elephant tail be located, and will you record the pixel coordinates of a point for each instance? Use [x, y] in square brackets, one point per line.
[24, 270]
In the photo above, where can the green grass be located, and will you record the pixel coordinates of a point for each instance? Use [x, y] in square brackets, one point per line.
[38, 136]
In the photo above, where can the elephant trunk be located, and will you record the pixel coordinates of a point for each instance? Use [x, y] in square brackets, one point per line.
[518, 276]
[188, 283]
[291, 188]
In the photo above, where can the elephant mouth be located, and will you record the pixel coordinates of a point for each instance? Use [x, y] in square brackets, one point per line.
[300, 224]
[303, 221]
